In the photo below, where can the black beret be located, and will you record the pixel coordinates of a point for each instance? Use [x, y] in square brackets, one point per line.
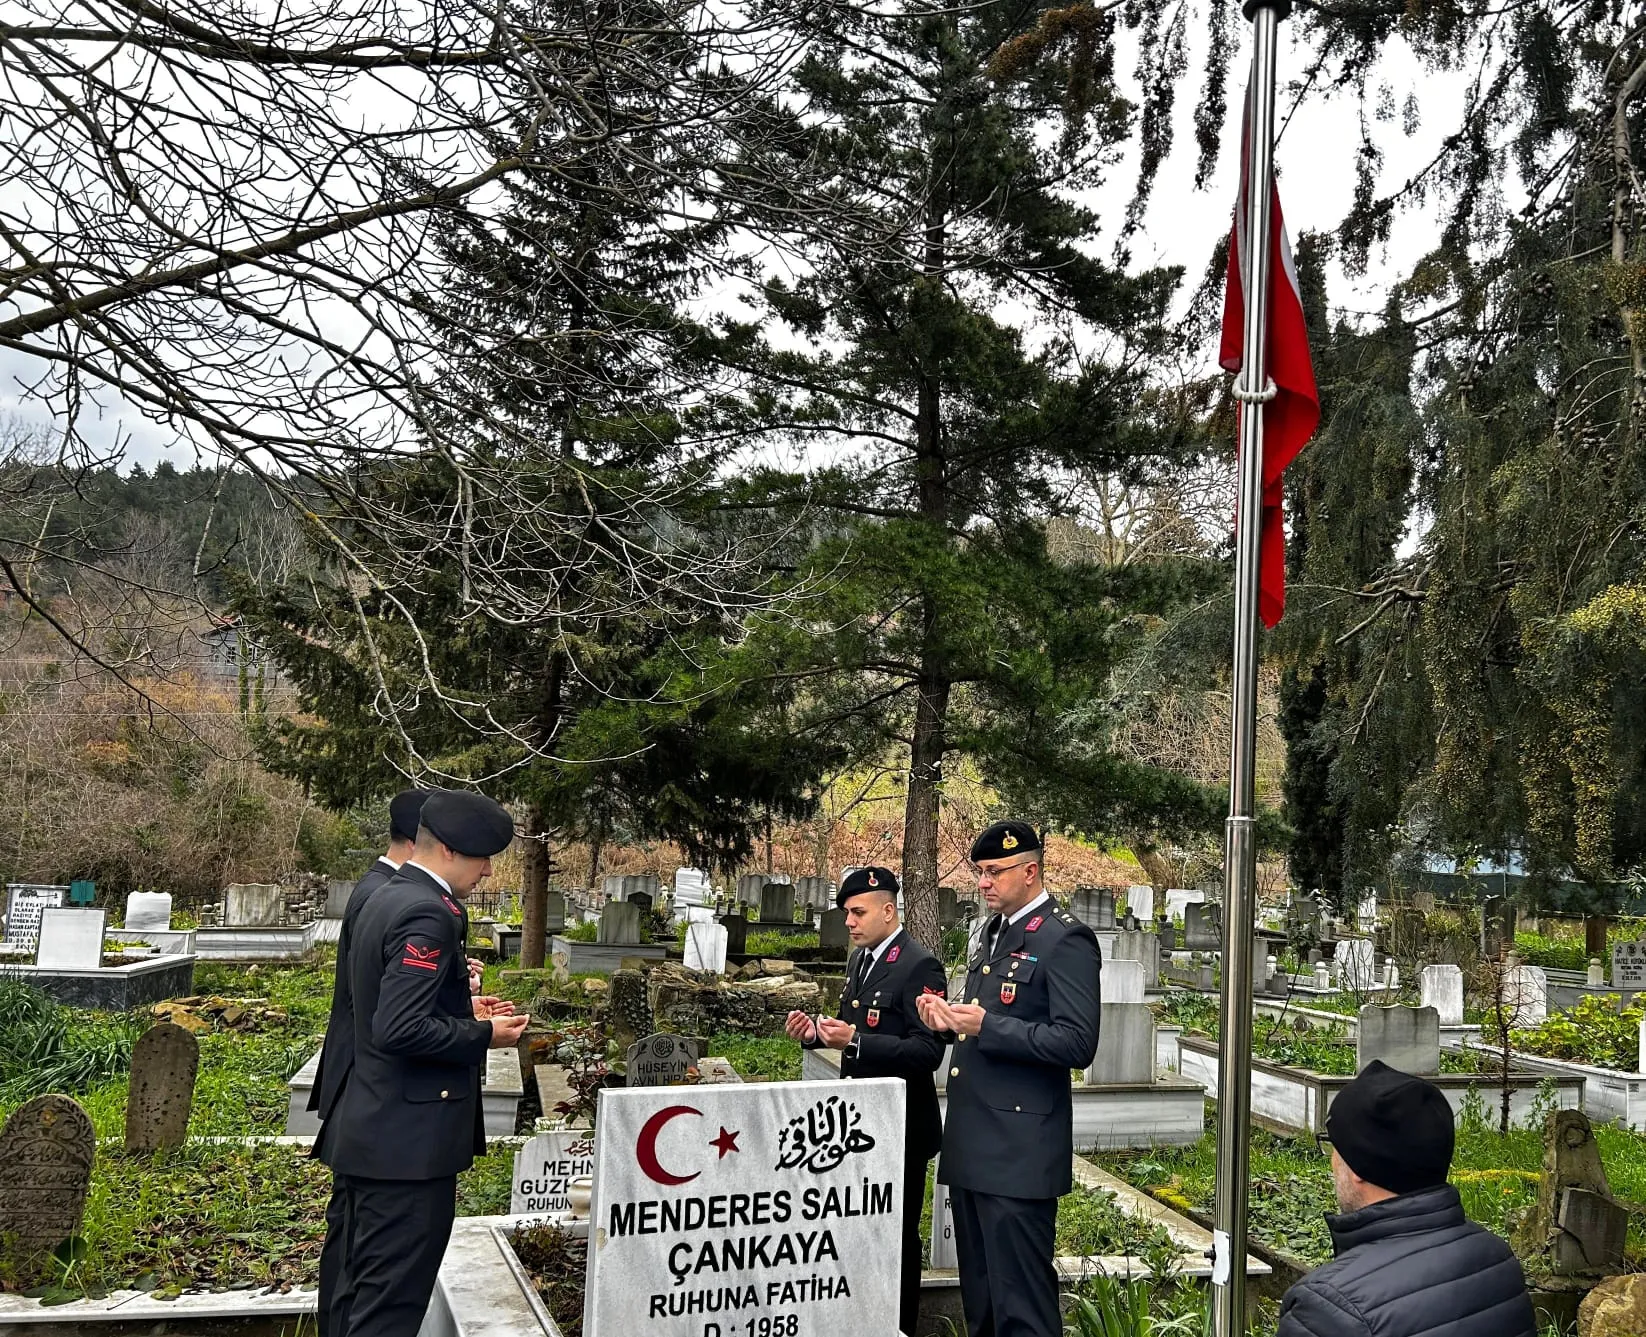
[404, 810]
[1392, 1129]
[468, 823]
[1003, 840]
[860, 880]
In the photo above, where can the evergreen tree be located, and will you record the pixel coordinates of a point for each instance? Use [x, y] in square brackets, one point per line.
[950, 312]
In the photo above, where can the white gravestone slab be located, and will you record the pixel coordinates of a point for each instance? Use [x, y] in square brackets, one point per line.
[148, 912]
[1441, 987]
[1526, 994]
[24, 904]
[706, 945]
[544, 1169]
[1122, 982]
[70, 940]
[659, 1060]
[1178, 899]
[945, 1253]
[747, 1209]
[252, 905]
[1140, 901]
[1354, 963]
[1629, 965]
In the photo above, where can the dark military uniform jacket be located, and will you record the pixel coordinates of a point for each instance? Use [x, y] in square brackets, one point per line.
[337, 1053]
[895, 1042]
[1010, 1124]
[410, 1104]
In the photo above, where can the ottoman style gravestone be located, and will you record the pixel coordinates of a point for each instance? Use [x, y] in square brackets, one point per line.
[164, 1063]
[46, 1153]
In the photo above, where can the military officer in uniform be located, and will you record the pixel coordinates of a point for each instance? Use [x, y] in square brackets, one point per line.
[408, 1119]
[880, 1034]
[1029, 1016]
[337, 1052]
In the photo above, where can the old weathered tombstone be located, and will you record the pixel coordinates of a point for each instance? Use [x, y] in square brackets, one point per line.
[1405, 1038]
[46, 1153]
[831, 931]
[705, 946]
[164, 1062]
[1126, 1040]
[948, 904]
[150, 911]
[338, 891]
[629, 1009]
[737, 933]
[659, 1060]
[1629, 965]
[619, 924]
[611, 886]
[748, 888]
[777, 903]
[666, 1162]
[70, 940]
[1575, 1224]
[544, 1169]
[1200, 932]
[252, 905]
[641, 900]
[817, 892]
[1497, 926]
[25, 901]
[1136, 945]
[554, 909]
[1441, 987]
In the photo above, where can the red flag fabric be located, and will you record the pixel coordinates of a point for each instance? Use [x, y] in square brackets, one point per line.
[1290, 418]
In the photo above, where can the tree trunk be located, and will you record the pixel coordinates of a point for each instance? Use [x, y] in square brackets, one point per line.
[597, 842]
[920, 816]
[1594, 936]
[534, 892]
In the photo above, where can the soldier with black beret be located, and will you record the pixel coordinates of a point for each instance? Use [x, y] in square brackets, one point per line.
[409, 1119]
[1029, 1016]
[879, 1033]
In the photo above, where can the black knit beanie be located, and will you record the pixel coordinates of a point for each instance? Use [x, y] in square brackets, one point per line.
[1394, 1130]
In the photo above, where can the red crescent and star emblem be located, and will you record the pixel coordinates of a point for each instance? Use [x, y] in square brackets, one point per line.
[645, 1146]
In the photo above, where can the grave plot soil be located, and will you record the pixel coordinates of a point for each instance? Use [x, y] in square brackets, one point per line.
[214, 1216]
[556, 1264]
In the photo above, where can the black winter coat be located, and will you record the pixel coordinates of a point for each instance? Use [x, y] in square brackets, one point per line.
[1411, 1266]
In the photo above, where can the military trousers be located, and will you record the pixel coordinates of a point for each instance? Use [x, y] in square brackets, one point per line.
[394, 1236]
[1008, 1286]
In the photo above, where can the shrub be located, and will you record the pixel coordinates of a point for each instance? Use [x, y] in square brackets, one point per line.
[1600, 1031]
[1551, 953]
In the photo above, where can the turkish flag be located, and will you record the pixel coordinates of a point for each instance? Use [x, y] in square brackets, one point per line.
[1290, 418]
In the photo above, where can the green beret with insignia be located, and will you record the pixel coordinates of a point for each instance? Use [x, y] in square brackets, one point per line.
[468, 823]
[1005, 840]
[859, 880]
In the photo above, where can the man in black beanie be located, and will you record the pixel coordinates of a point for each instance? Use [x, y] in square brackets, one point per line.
[1408, 1261]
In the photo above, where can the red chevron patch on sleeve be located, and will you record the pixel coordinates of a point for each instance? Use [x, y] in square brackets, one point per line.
[424, 958]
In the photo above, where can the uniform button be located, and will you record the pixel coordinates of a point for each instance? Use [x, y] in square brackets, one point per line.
[985, 970]
[1018, 1108]
[855, 1003]
[960, 1039]
[444, 1094]
[954, 1072]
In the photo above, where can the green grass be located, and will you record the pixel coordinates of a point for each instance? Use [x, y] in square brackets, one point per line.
[220, 1215]
[774, 1058]
[771, 942]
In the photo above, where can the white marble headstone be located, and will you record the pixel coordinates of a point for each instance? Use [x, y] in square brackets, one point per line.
[1441, 987]
[1354, 959]
[148, 911]
[544, 1169]
[1122, 982]
[706, 946]
[769, 1205]
[70, 940]
[1629, 965]
[1526, 993]
[25, 902]
[945, 1253]
[1140, 901]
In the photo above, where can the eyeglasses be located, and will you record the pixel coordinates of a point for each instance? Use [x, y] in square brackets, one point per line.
[993, 874]
[1323, 1144]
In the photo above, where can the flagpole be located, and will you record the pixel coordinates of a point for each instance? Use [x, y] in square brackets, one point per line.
[1252, 389]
